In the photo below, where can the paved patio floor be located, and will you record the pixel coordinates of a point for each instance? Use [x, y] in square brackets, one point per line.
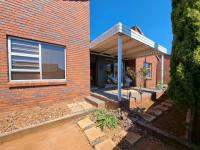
[112, 93]
[67, 136]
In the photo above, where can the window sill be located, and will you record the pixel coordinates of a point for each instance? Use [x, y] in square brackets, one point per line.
[23, 84]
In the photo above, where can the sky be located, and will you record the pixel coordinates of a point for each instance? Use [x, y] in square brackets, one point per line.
[152, 16]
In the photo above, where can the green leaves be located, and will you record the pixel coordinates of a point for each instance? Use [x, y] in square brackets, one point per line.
[105, 119]
[184, 86]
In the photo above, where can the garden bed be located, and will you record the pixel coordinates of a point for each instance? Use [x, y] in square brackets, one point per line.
[126, 127]
[21, 119]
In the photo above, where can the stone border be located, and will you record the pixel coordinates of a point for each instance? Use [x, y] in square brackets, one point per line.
[24, 131]
[165, 136]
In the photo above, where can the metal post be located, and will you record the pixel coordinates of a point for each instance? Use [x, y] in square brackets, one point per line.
[162, 70]
[119, 68]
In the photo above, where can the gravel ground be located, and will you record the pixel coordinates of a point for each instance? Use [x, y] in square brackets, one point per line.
[20, 119]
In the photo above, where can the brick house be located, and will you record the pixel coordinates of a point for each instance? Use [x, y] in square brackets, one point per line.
[44, 52]
[154, 65]
[46, 55]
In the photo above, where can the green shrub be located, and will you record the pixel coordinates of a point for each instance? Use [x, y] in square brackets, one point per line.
[158, 86]
[184, 87]
[105, 119]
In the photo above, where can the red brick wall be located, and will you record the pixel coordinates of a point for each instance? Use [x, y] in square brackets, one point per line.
[156, 70]
[57, 22]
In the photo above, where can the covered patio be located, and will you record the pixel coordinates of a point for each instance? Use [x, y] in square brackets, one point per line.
[122, 42]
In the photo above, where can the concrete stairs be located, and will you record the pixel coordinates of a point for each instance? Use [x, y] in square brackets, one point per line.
[95, 101]
[157, 110]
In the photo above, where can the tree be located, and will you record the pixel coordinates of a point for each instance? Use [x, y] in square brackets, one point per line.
[184, 87]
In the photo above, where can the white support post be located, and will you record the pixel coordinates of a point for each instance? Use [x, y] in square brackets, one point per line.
[162, 70]
[119, 68]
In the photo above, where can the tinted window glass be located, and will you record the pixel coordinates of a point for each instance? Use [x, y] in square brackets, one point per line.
[25, 75]
[53, 62]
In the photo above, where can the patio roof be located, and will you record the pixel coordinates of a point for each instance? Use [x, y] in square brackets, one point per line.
[122, 42]
[133, 44]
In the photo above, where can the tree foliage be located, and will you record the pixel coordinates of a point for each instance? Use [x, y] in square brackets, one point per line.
[184, 87]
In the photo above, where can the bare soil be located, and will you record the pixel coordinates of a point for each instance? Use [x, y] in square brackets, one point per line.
[152, 143]
[173, 122]
[67, 136]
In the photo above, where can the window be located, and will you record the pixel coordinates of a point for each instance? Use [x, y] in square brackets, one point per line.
[30, 60]
[148, 67]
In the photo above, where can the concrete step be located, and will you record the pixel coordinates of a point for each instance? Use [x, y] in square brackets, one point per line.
[148, 117]
[105, 145]
[155, 112]
[132, 137]
[94, 135]
[161, 107]
[101, 97]
[166, 103]
[169, 101]
[111, 103]
[95, 101]
[85, 123]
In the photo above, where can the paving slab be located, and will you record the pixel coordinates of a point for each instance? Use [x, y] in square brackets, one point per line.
[85, 105]
[167, 104]
[76, 109]
[132, 137]
[155, 112]
[117, 148]
[105, 145]
[72, 105]
[148, 117]
[169, 101]
[85, 123]
[94, 135]
[161, 107]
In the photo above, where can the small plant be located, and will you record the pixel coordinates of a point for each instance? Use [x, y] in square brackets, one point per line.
[158, 86]
[105, 120]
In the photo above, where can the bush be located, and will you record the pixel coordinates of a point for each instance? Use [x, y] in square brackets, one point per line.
[105, 119]
[184, 87]
[158, 86]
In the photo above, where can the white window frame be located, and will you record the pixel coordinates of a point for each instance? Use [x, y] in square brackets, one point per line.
[30, 55]
[150, 69]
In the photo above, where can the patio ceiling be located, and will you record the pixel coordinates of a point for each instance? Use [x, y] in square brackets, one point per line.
[133, 44]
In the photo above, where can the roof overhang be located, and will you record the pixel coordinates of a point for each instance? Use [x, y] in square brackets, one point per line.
[133, 44]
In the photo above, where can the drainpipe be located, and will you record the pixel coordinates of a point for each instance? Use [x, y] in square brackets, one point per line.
[162, 70]
[119, 68]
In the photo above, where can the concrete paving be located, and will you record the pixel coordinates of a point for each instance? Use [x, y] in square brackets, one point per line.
[155, 112]
[165, 103]
[105, 145]
[79, 106]
[161, 107]
[132, 137]
[94, 135]
[148, 117]
[85, 105]
[85, 123]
